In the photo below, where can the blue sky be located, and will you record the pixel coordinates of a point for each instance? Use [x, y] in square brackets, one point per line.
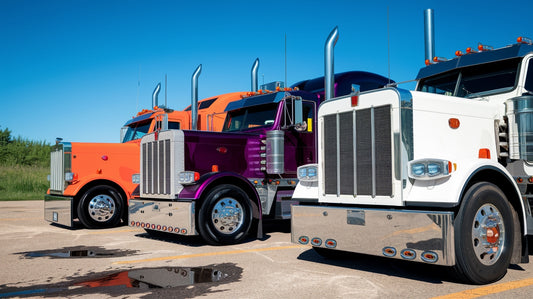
[80, 69]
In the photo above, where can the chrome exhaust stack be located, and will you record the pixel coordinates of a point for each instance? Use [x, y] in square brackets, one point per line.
[429, 35]
[155, 95]
[194, 98]
[255, 69]
[329, 76]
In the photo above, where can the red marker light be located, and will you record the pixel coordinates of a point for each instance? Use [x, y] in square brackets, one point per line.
[105, 158]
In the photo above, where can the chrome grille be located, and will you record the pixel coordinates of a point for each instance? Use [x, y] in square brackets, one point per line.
[156, 162]
[57, 169]
[358, 152]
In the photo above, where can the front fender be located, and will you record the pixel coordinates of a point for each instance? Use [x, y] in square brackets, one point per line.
[208, 180]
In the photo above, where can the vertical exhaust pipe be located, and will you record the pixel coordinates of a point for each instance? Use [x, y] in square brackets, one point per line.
[329, 76]
[429, 35]
[155, 94]
[255, 69]
[194, 100]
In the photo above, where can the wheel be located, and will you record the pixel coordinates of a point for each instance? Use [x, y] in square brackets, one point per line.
[483, 235]
[100, 207]
[225, 216]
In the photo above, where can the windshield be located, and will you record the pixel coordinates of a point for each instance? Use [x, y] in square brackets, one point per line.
[473, 81]
[250, 117]
[136, 130]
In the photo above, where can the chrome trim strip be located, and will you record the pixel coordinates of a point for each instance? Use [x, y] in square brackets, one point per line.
[373, 141]
[354, 154]
[337, 120]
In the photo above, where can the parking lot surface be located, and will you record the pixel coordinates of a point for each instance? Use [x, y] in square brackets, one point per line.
[39, 259]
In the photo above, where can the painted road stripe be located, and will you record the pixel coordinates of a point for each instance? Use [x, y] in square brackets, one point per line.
[186, 256]
[489, 290]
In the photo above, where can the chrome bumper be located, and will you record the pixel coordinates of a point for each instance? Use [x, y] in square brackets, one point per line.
[421, 236]
[59, 209]
[168, 216]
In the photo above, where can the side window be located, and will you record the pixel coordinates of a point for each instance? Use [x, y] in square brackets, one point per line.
[529, 76]
[174, 125]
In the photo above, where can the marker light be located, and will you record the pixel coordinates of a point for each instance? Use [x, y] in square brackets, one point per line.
[430, 169]
[482, 48]
[308, 173]
[524, 40]
[470, 50]
[188, 177]
[459, 53]
[439, 59]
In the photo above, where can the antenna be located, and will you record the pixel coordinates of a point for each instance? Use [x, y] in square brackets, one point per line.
[138, 86]
[388, 41]
[285, 59]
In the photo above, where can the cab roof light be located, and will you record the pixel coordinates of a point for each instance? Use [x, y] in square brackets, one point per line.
[471, 50]
[483, 48]
[439, 59]
[459, 53]
[524, 40]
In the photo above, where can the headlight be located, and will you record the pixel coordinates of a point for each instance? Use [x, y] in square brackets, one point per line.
[430, 169]
[188, 177]
[136, 178]
[308, 172]
[70, 176]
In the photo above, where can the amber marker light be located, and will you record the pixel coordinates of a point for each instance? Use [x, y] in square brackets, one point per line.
[524, 40]
[459, 53]
[484, 153]
[454, 123]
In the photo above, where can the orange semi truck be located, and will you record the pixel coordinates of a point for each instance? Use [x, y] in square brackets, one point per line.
[93, 181]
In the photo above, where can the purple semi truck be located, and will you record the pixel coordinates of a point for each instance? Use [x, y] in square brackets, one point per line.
[221, 185]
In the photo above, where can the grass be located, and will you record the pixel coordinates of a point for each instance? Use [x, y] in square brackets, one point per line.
[23, 182]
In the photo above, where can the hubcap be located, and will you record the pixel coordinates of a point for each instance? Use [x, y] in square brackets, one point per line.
[488, 234]
[101, 208]
[227, 215]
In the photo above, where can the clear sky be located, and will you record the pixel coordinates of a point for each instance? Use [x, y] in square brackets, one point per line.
[79, 69]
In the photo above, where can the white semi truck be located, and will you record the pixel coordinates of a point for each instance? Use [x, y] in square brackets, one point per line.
[440, 175]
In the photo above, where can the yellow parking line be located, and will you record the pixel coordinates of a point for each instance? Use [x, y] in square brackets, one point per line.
[489, 290]
[186, 256]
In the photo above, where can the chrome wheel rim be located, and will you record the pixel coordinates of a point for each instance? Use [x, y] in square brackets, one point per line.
[101, 208]
[227, 215]
[488, 234]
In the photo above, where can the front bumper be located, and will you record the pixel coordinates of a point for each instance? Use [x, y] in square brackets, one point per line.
[423, 236]
[166, 216]
[59, 209]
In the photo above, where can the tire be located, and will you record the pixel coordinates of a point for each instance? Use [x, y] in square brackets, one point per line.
[484, 233]
[100, 207]
[225, 216]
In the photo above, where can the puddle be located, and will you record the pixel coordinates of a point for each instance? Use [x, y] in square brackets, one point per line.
[167, 277]
[190, 281]
[78, 252]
